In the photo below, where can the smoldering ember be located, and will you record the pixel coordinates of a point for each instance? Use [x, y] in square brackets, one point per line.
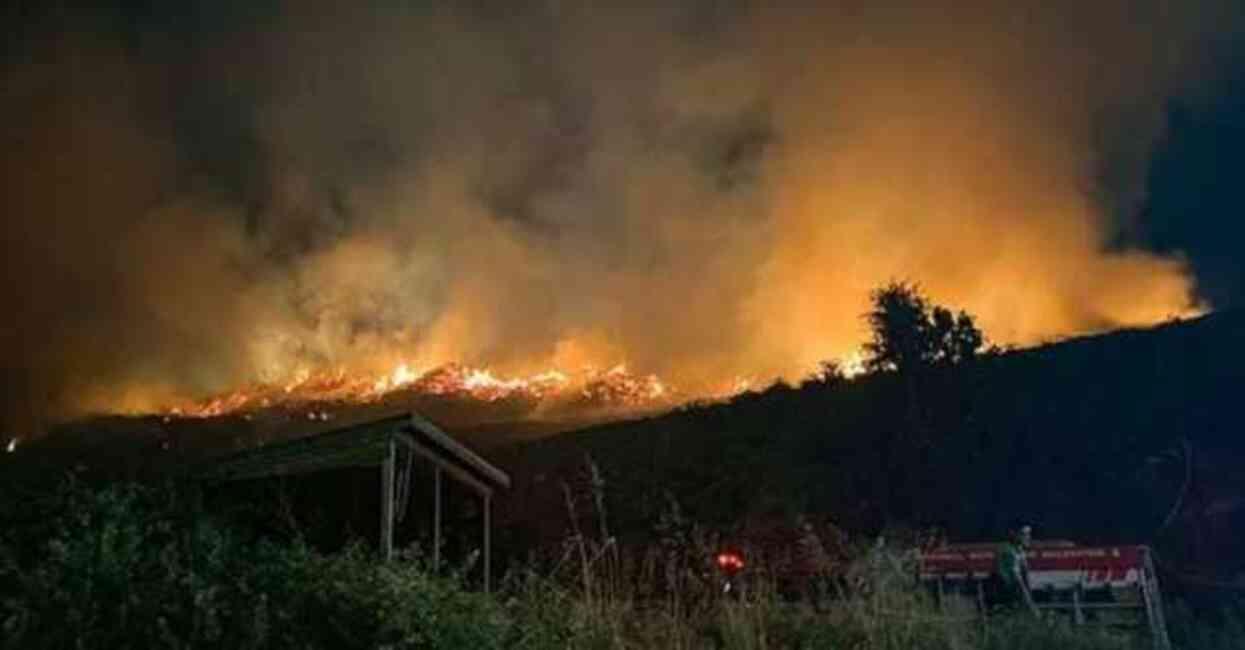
[574, 324]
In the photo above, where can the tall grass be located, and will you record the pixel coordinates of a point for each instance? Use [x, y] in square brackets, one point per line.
[138, 567]
[667, 594]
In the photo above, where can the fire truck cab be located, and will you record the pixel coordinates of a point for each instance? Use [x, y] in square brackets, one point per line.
[1114, 586]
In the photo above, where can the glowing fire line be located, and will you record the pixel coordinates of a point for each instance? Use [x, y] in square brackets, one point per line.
[613, 387]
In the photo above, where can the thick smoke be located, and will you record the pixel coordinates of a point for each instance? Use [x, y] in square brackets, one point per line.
[704, 191]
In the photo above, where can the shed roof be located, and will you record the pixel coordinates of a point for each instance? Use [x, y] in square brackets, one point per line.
[361, 445]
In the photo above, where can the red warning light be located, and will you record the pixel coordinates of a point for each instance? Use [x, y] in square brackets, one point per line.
[730, 562]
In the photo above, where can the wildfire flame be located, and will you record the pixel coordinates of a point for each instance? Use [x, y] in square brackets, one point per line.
[853, 365]
[615, 387]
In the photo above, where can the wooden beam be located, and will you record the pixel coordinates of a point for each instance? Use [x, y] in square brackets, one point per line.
[439, 459]
[488, 540]
[436, 519]
[386, 503]
[438, 439]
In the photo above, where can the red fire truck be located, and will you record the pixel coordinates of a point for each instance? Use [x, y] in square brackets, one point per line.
[1101, 585]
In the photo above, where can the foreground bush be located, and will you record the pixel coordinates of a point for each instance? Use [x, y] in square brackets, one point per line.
[131, 567]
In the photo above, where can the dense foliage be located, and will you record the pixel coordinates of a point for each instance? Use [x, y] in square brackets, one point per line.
[133, 567]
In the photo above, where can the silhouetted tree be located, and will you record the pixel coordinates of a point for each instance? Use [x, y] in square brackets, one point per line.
[910, 335]
[829, 373]
[909, 332]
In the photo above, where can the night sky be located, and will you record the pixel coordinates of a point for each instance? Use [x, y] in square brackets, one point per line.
[1194, 204]
[204, 195]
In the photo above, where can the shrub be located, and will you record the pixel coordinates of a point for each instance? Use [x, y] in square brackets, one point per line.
[129, 567]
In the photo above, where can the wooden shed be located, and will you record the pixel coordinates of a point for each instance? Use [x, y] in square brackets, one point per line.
[389, 444]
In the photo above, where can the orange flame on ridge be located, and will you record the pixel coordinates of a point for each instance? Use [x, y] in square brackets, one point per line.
[616, 387]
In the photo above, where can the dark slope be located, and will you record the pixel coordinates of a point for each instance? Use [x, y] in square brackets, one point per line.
[1082, 437]
[139, 447]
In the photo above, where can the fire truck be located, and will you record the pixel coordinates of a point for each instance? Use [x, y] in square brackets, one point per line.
[1114, 586]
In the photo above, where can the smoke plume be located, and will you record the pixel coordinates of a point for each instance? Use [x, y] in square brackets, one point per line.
[704, 190]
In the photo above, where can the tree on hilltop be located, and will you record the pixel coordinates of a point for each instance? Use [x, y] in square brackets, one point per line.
[910, 332]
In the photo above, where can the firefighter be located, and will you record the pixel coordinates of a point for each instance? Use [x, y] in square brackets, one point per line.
[1012, 570]
[812, 563]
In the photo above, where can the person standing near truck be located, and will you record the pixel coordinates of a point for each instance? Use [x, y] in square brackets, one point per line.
[1012, 570]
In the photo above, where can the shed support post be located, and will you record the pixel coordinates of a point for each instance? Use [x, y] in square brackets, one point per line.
[1152, 600]
[488, 548]
[436, 519]
[386, 501]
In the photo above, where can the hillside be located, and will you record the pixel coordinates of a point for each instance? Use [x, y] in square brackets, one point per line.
[1082, 437]
[146, 446]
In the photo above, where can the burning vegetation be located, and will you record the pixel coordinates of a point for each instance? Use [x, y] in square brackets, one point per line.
[615, 388]
[715, 204]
